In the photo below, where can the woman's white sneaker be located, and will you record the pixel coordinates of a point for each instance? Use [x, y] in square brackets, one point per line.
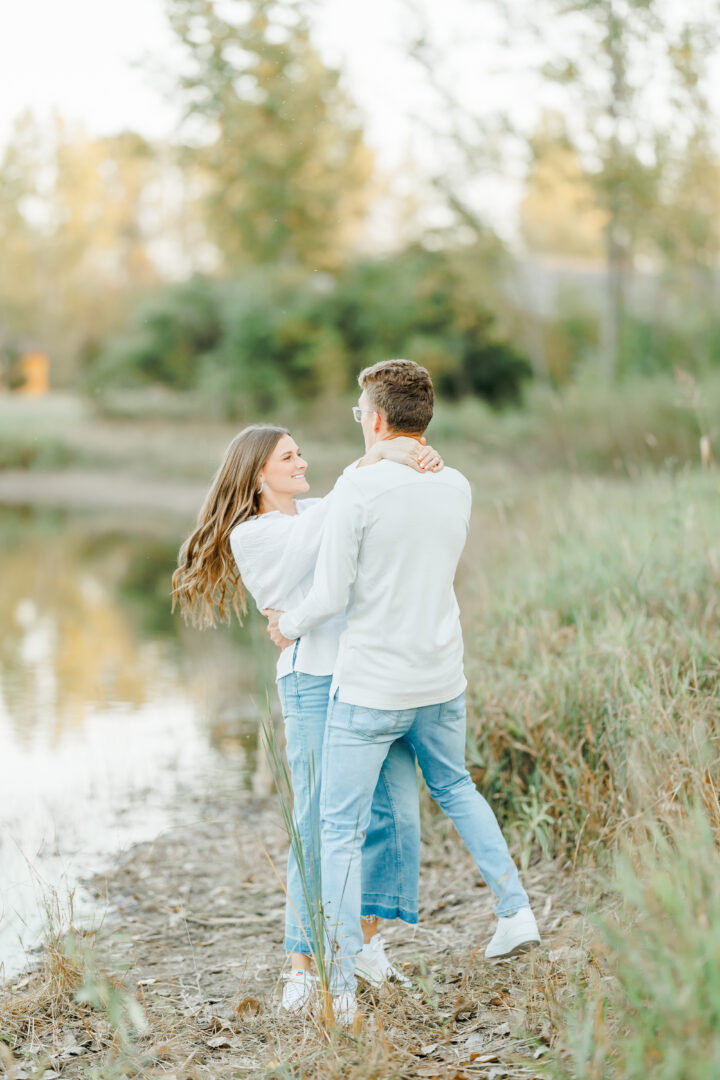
[297, 991]
[514, 934]
[372, 965]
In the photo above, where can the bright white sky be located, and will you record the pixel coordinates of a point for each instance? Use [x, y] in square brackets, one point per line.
[80, 57]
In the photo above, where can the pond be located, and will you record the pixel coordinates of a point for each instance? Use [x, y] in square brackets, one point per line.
[115, 718]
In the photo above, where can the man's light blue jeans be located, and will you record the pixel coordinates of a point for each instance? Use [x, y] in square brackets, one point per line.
[357, 743]
[390, 863]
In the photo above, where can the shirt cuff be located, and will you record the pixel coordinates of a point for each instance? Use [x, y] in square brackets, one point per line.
[287, 627]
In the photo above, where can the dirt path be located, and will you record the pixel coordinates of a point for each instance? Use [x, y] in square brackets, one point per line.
[193, 935]
[87, 489]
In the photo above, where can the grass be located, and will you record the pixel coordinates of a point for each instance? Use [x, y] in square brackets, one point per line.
[586, 428]
[589, 427]
[591, 600]
[595, 678]
[69, 989]
[650, 1006]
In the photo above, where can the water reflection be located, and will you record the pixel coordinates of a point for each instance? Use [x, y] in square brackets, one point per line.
[109, 707]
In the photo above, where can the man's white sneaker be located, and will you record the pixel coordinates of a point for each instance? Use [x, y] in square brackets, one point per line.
[345, 1008]
[514, 934]
[372, 965]
[297, 991]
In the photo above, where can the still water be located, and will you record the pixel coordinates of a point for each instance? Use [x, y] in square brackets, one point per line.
[115, 718]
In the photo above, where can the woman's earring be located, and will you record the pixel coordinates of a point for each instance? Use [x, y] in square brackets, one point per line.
[261, 488]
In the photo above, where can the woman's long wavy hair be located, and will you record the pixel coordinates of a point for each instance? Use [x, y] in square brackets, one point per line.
[207, 583]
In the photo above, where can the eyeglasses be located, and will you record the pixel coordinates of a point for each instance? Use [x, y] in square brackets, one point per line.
[357, 413]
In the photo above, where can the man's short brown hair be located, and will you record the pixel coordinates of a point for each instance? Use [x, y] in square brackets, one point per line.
[402, 391]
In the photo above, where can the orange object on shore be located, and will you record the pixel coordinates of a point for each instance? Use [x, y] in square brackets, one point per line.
[34, 367]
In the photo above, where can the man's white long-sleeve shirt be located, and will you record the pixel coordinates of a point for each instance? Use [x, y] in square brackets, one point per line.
[391, 544]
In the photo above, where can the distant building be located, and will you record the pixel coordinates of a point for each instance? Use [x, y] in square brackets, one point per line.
[546, 285]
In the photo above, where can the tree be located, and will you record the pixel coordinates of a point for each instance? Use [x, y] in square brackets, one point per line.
[76, 225]
[278, 143]
[617, 59]
[20, 167]
[636, 106]
[559, 213]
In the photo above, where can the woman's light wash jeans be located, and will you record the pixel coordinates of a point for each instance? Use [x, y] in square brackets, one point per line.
[363, 736]
[388, 870]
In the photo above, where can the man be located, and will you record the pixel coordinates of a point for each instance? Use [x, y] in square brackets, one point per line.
[389, 553]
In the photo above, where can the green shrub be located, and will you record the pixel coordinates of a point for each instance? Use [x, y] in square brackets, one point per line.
[274, 334]
[170, 335]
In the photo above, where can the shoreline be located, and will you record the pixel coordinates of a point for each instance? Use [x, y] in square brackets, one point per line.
[90, 489]
[192, 933]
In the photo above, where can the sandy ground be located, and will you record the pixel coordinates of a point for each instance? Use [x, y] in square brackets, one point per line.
[87, 489]
[193, 934]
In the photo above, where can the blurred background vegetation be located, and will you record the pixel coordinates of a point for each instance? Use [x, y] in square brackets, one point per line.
[241, 260]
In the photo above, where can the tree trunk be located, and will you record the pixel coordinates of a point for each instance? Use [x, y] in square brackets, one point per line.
[614, 304]
[616, 261]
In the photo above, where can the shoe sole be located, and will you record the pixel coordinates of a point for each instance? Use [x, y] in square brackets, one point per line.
[514, 953]
[517, 950]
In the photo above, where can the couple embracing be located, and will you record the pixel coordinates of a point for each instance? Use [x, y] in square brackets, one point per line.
[358, 591]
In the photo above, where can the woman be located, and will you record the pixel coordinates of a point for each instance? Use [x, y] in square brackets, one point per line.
[252, 535]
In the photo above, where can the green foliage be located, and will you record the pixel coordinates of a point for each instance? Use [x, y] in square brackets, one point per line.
[641, 173]
[269, 338]
[647, 347]
[169, 335]
[651, 1008]
[589, 427]
[274, 334]
[426, 305]
[493, 370]
[74, 218]
[276, 141]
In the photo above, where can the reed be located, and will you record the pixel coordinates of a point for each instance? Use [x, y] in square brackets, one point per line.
[70, 987]
[594, 680]
[319, 942]
[650, 1003]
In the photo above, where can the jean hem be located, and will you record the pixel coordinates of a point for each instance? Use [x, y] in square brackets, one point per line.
[389, 911]
[505, 911]
[298, 946]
